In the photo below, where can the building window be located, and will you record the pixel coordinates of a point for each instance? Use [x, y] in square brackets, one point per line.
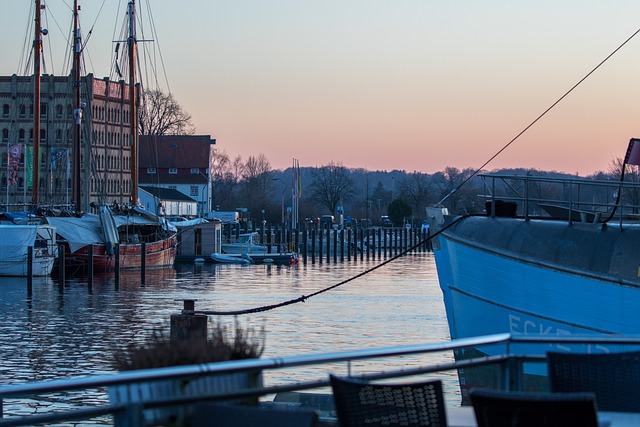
[195, 171]
[21, 135]
[173, 171]
[5, 135]
[5, 110]
[194, 190]
[23, 110]
[43, 109]
[173, 187]
[59, 111]
[151, 170]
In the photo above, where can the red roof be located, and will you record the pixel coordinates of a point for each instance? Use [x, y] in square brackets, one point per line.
[174, 151]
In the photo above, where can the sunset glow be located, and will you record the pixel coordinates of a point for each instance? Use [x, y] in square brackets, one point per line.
[414, 85]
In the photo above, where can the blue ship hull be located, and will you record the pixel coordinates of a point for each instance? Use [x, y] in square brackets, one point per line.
[537, 277]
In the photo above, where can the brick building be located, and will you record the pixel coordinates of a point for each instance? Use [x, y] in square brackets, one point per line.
[106, 147]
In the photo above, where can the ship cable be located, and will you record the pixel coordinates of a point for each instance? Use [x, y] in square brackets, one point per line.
[303, 298]
[593, 70]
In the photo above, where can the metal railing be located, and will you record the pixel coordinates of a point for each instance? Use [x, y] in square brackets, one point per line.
[510, 354]
[573, 199]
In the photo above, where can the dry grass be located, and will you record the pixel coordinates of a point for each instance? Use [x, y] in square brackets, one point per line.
[159, 351]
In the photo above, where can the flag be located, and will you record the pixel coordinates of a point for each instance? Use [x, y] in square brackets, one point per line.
[633, 152]
[15, 151]
[28, 165]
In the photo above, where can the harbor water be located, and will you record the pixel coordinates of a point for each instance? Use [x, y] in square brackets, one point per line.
[52, 330]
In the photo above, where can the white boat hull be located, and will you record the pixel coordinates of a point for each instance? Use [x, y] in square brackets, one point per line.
[15, 241]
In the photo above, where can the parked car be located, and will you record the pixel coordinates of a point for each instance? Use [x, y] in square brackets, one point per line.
[386, 221]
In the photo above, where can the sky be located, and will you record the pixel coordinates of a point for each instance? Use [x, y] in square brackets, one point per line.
[415, 85]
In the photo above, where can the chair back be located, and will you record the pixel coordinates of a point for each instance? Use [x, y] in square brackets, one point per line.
[227, 415]
[360, 403]
[613, 377]
[495, 408]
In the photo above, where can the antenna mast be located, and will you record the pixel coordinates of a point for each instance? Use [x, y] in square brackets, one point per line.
[133, 104]
[37, 49]
[77, 113]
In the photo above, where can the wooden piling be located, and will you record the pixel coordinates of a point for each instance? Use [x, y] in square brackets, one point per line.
[90, 264]
[116, 254]
[143, 262]
[29, 265]
[187, 325]
[61, 263]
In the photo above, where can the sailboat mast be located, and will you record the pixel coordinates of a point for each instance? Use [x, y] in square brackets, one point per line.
[133, 104]
[37, 49]
[77, 113]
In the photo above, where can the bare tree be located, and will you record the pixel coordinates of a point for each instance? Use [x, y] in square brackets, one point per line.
[224, 181]
[416, 189]
[331, 185]
[257, 174]
[630, 194]
[449, 180]
[161, 114]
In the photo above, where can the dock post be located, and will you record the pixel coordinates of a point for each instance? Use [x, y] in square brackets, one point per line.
[187, 325]
[335, 246]
[328, 238]
[61, 262]
[143, 262]
[116, 254]
[313, 245]
[90, 264]
[384, 237]
[320, 245]
[305, 239]
[29, 265]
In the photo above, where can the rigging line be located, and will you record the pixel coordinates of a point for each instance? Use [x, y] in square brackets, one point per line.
[154, 35]
[303, 298]
[593, 70]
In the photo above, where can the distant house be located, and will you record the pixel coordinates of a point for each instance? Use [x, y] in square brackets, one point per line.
[167, 202]
[178, 162]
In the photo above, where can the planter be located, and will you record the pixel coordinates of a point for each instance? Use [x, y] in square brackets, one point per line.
[153, 390]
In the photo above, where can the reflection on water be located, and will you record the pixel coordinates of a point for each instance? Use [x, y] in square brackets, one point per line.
[54, 331]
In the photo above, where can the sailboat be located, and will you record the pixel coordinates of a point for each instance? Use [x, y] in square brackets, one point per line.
[124, 236]
[27, 246]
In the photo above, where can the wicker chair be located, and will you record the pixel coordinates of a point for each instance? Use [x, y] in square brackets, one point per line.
[360, 403]
[495, 408]
[226, 415]
[613, 377]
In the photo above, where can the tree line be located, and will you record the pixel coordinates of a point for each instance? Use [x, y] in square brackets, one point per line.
[253, 184]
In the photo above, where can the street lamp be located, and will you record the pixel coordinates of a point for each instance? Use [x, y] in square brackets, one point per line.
[283, 190]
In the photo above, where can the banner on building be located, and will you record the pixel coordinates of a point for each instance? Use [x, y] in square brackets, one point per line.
[15, 151]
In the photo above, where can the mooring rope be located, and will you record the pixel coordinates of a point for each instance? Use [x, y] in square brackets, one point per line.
[303, 298]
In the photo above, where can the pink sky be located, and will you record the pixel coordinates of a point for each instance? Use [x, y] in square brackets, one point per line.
[412, 84]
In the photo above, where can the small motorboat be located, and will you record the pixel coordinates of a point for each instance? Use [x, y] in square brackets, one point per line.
[231, 259]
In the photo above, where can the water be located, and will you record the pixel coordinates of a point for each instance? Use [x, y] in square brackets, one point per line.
[61, 331]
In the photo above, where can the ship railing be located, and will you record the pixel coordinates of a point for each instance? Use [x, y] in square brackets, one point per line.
[580, 200]
[512, 356]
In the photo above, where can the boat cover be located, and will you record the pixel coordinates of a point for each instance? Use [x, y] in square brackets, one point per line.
[15, 239]
[86, 230]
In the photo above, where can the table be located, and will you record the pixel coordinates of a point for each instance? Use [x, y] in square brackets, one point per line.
[463, 416]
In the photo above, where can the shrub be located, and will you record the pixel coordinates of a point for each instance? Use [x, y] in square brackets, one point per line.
[159, 351]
